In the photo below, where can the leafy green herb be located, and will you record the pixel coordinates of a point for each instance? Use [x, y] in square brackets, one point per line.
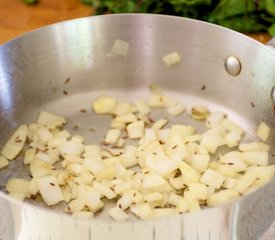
[240, 15]
[30, 1]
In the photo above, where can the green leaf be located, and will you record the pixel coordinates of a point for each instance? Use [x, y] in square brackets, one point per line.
[30, 1]
[271, 30]
[190, 3]
[88, 2]
[230, 8]
[243, 24]
[270, 7]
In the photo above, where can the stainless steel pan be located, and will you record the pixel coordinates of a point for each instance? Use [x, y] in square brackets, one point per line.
[33, 69]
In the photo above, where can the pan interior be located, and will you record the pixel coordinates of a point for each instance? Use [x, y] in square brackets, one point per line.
[34, 69]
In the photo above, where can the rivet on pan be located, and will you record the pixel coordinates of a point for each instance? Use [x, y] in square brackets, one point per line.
[272, 94]
[233, 65]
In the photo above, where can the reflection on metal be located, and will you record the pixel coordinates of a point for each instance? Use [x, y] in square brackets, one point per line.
[6, 95]
[272, 94]
[233, 66]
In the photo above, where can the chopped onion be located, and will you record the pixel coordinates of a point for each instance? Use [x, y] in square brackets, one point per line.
[3, 162]
[120, 47]
[16, 143]
[263, 131]
[171, 58]
[163, 170]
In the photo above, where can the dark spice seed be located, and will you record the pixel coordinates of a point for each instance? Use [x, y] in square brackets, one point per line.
[252, 104]
[52, 184]
[83, 110]
[67, 80]
[203, 87]
[65, 92]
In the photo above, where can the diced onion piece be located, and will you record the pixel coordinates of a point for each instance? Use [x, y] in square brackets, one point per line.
[161, 164]
[104, 104]
[92, 151]
[33, 186]
[46, 158]
[120, 47]
[159, 123]
[95, 166]
[210, 142]
[189, 172]
[229, 183]
[71, 147]
[232, 126]
[76, 205]
[152, 180]
[29, 155]
[136, 129]
[199, 112]
[198, 190]
[44, 134]
[118, 214]
[214, 119]
[263, 131]
[245, 181]
[112, 136]
[125, 201]
[149, 135]
[221, 197]
[183, 206]
[255, 158]
[200, 162]
[232, 139]
[234, 162]
[153, 197]
[254, 146]
[174, 199]
[143, 107]
[144, 211]
[212, 178]
[156, 100]
[16, 143]
[93, 201]
[54, 142]
[182, 131]
[63, 134]
[264, 174]
[171, 58]
[126, 118]
[50, 190]
[78, 139]
[177, 183]
[129, 158]
[50, 120]
[176, 110]
[122, 108]
[3, 162]
[104, 190]
[193, 203]
[39, 168]
[18, 188]
[107, 173]
[122, 187]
